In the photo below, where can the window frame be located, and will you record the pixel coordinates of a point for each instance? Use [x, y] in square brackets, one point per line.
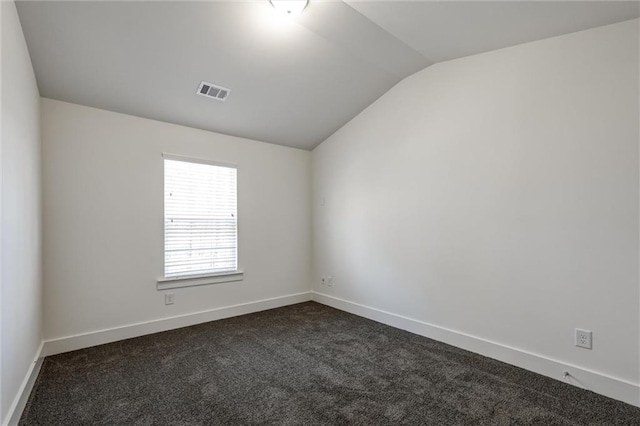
[164, 283]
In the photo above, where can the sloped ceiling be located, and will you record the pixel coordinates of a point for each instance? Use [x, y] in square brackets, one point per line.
[293, 83]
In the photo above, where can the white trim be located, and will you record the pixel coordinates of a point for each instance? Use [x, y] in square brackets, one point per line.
[165, 283]
[20, 401]
[601, 383]
[177, 157]
[85, 340]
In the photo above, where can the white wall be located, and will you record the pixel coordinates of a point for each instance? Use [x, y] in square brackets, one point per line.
[103, 219]
[20, 246]
[496, 196]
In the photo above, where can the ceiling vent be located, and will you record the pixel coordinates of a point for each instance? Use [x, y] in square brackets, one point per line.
[212, 91]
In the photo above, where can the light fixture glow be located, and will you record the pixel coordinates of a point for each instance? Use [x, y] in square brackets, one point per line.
[289, 7]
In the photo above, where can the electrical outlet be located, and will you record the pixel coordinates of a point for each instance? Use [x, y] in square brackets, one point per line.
[583, 338]
[329, 281]
[168, 298]
[323, 280]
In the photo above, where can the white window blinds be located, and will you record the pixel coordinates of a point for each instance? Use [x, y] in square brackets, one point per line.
[200, 218]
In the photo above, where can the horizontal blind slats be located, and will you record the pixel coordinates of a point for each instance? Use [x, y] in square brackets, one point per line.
[200, 218]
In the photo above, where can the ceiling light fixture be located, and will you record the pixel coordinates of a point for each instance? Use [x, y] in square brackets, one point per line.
[289, 7]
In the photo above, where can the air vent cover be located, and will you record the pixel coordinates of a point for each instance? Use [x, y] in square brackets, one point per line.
[212, 91]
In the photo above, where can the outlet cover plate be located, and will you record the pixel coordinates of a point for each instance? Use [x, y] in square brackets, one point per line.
[584, 339]
[168, 298]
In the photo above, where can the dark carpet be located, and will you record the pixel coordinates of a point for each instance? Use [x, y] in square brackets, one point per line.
[306, 364]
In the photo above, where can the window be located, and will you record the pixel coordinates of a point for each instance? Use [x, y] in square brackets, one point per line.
[200, 219]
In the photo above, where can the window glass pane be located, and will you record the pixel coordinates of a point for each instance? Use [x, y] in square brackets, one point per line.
[200, 218]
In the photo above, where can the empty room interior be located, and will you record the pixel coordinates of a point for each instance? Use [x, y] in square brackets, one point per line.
[319, 212]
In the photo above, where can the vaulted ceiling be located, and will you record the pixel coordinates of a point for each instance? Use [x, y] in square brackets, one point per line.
[293, 82]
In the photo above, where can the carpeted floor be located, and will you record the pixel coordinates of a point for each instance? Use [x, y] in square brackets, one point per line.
[306, 364]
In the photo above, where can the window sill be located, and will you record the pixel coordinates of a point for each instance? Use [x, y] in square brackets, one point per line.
[196, 280]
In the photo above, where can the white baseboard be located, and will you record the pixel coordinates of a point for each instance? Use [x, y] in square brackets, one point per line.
[16, 409]
[603, 384]
[81, 341]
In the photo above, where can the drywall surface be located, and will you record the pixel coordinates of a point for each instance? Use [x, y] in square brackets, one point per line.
[20, 276]
[496, 196]
[103, 219]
